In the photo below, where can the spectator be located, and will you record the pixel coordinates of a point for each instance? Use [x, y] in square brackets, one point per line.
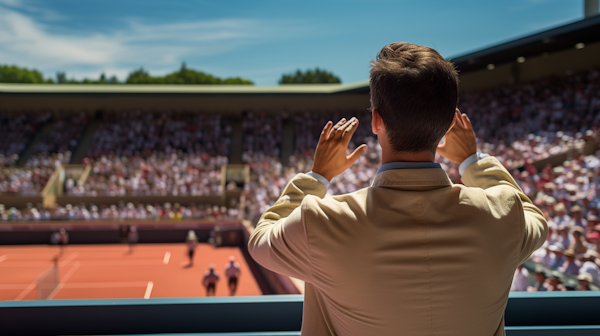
[578, 243]
[558, 258]
[584, 281]
[577, 216]
[520, 281]
[554, 284]
[590, 266]
[540, 284]
[571, 265]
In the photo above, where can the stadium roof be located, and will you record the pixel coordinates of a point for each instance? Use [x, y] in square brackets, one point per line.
[563, 37]
[183, 89]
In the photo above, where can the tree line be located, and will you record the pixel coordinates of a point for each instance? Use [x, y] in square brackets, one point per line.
[185, 75]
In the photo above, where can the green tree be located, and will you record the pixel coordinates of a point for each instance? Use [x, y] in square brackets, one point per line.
[140, 76]
[61, 77]
[15, 74]
[112, 80]
[183, 76]
[316, 76]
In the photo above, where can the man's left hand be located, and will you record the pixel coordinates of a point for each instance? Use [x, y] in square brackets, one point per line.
[330, 155]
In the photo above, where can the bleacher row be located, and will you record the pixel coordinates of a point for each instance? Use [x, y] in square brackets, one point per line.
[168, 153]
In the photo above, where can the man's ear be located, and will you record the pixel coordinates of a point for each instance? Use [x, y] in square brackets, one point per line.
[454, 120]
[376, 122]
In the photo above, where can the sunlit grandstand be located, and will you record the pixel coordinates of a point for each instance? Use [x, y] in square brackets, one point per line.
[98, 160]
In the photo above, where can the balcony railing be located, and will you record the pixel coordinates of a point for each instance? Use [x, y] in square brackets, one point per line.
[527, 314]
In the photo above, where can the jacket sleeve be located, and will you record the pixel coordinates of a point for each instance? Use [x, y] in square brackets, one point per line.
[490, 173]
[280, 242]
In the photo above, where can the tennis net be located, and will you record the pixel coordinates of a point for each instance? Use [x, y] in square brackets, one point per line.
[48, 282]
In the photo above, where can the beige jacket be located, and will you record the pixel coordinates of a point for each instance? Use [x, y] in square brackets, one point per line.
[414, 254]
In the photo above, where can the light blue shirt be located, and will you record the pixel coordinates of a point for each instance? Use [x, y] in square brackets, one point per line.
[412, 165]
[407, 165]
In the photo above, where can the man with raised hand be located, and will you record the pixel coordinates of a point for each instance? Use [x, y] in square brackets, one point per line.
[414, 254]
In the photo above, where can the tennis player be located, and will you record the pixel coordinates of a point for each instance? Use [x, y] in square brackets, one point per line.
[211, 277]
[132, 238]
[232, 271]
[60, 238]
[191, 242]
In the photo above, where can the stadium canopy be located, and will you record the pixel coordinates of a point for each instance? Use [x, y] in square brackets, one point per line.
[182, 89]
[560, 38]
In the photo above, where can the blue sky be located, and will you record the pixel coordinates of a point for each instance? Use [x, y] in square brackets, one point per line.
[258, 40]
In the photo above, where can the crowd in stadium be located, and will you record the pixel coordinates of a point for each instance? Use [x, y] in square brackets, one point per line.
[176, 174]
[24, 181]
[168, 153]
[569, 197]
[64, 135]
[17, 129]
[529, 122]
[141, 133]
[120, 211]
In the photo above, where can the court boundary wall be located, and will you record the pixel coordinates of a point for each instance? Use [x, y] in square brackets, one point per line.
[548, 313]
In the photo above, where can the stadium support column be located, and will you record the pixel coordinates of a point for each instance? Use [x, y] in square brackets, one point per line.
[86, 140]
[32, 146]
[590, 8]
[237, 136]
[287, 143]
[515, 71]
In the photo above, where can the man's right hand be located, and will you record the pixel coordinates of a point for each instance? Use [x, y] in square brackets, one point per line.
[330, 155]
[460, 140]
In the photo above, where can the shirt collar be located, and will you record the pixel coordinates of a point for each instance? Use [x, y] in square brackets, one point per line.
[407, 165]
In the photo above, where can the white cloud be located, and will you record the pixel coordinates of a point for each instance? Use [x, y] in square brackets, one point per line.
[27, 42]
[31, 6]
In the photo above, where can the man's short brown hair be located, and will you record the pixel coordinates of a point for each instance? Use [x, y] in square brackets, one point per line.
[415, 91]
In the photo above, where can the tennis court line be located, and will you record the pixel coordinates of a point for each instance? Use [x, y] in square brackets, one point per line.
[69, 259]
[63, 280]
[167, 258]
[26, 291]
[120, 262]
[25, 264]
[84, 285]
[16, 263]
[87, 263]
[106, 284]
[149, 290]
[14, 286]
[46, 255]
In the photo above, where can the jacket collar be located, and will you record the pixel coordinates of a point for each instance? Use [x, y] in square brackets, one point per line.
[412, 179]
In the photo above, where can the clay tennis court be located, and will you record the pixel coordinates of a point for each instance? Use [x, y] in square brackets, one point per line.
[109, 272]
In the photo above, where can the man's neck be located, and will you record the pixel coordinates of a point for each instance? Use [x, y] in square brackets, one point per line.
[391, 156]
